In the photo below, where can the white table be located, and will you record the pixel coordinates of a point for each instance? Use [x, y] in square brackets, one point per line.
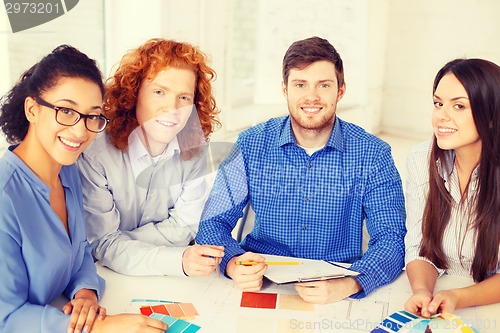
[217, 300]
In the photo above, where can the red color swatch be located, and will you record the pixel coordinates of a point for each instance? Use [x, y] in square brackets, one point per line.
[258, 300]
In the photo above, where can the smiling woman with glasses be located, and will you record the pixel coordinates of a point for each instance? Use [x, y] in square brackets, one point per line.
[43, 241]
[68, 117]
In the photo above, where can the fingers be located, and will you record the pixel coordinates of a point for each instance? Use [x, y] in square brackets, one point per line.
[201, 259]
[247, 277]
[327, 291]
[83, 314]
[413, 307]
[250, 256]
[67, 308]
[86, 319]
[418, 304]
[243, 273]
[251, 285]
[73, 319]
[251, 282]
[157, 324]
[102, 313]
[437, 302]
[312, 292]
[210, 250]
[82, 317]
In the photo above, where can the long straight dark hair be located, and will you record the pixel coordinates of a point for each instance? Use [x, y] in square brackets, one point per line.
[481, 80]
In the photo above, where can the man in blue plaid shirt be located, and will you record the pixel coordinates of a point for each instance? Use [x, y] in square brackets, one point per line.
[312, 179]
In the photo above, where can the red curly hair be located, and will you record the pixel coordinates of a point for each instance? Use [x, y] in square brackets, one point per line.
[145, 62]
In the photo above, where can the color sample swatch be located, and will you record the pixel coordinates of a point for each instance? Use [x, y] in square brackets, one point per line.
[274, 301]
[293, 302]
[176, 325]
[178, 310]
[258, 300]
[405, 322]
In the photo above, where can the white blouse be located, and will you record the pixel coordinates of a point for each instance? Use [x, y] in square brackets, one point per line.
[458, 239]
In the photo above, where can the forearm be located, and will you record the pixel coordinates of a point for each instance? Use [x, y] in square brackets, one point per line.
[381, 264]
[482, 293]
[422, 276]
[132, 257]
[179, 224]
[168, 232]
[217, 232]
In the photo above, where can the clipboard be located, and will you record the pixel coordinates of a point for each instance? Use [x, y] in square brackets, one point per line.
[309, 270]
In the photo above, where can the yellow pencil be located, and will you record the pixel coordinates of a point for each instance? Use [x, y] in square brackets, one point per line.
[249, 263]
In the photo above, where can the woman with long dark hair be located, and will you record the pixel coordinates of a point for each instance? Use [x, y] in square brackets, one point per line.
[453, 192]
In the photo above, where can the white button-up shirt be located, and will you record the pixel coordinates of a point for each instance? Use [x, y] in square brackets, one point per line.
[459, 238]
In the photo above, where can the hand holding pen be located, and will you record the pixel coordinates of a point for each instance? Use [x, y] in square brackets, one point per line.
[247, 277]
[198, 260]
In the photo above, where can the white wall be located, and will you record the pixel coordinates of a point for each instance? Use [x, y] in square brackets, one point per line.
[357, 29]
[391, 48]
[423, 36]
[128, 26]
[4, 65]
[81, 27]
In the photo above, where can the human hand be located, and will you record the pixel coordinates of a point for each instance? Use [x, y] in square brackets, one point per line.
[129, 323]
[198, 260]
[418, 303]
[83, 309]
[329, 291]
[444, 301]
[247, 277]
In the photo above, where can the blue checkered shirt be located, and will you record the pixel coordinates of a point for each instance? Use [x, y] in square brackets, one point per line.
[311, 206]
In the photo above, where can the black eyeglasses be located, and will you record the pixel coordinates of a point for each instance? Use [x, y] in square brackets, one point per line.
[68, 117]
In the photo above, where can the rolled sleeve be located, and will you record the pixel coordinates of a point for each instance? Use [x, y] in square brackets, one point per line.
[385, 216]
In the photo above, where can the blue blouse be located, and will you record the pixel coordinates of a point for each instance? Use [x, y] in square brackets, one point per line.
[39, 261]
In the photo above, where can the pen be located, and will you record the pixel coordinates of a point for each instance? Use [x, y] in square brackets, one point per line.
[217, 262]
[249, 263]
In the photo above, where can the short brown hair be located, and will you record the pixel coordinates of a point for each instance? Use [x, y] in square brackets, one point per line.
[304, 52]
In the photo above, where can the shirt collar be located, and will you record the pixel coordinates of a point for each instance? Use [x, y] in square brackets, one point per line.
[335, 141]
[137, 149]
[140, 159]
[38, 184]
[446, 167]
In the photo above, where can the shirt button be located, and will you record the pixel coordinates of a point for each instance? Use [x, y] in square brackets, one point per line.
[309, 165]
[152, 195]
[306, 199]
[304, 228]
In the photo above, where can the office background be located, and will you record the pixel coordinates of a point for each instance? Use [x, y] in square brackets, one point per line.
[391, 49]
